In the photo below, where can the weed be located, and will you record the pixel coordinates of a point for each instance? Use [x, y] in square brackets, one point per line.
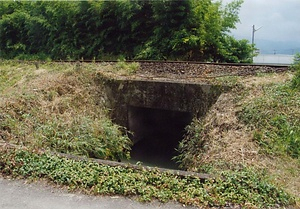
[8, 77]
[231, 81]
[254, 126]
[97, 137]
[126, 68]
[296, 79]
[192, 145]
[276, 120]
[57, 111]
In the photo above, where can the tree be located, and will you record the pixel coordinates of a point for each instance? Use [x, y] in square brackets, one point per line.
[136, 25]
[170, 20]
[62, 42]
[181, 30]
[213, 24]
[87, 29]
[235, 51]
[13, 35]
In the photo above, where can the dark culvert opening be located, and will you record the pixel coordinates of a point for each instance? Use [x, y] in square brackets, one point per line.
[156, 135]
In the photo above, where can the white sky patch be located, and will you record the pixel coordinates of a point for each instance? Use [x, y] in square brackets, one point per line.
[279, 19]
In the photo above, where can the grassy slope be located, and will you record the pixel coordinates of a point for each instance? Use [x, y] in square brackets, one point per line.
[59, 107]
[256, 125]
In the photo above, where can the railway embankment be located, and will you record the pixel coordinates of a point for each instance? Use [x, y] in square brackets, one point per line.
[60, 107]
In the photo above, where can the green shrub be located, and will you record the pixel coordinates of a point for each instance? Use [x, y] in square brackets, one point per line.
[297, 59]
[296, 78]
[191, 146]
[287, 134]
[296, 67]
[96, 138]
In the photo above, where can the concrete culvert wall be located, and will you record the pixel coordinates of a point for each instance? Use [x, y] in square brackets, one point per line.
[157, 113]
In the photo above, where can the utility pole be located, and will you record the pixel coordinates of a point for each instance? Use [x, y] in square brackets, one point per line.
[253, 32]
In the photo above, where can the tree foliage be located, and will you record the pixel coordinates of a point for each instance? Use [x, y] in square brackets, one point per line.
[181, 30]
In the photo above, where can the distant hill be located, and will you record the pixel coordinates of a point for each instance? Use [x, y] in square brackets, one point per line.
[277, 47]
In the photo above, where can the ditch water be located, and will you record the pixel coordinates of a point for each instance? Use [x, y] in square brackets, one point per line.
[156, 135]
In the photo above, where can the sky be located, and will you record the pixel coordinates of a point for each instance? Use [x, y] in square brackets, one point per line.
[278, 20]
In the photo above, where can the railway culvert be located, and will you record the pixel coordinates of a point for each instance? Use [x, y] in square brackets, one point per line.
[156, 112]
[161, 99]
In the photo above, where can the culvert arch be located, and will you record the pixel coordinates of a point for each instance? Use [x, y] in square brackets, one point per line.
[156, 112]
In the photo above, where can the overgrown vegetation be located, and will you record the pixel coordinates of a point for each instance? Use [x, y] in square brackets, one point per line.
[255, 125]
[245, 187]
[74, 30]
[276, 121]
[56, 107]
[59, 107]
[275, 117]
[192, 145]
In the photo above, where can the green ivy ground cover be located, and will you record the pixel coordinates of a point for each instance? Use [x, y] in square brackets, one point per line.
[246, 187]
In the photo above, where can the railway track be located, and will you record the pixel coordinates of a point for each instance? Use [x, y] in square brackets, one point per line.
[155, 61]
[186, 69]
[174, 62]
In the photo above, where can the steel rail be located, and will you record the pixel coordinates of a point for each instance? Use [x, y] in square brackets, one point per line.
[162, 62]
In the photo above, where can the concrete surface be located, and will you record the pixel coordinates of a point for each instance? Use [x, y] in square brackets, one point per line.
[17, 194]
